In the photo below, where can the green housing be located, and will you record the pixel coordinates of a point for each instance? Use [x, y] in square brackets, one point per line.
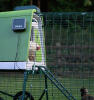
[14, 45]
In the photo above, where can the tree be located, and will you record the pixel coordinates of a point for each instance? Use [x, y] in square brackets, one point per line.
[50, 5]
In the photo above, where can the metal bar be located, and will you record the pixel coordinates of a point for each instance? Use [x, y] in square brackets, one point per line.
[6, 94]
[42, 95]
[71, 46]
[24, 84]
[46, 87]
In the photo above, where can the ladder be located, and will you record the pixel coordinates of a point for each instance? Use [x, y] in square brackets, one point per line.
[52, 78]
[58, 85]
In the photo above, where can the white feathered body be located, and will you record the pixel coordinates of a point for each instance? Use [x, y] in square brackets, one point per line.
[32, 50]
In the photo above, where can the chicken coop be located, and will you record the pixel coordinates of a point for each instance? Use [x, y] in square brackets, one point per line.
[46, 56]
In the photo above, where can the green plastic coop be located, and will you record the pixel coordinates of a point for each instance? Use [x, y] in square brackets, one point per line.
[17, 28]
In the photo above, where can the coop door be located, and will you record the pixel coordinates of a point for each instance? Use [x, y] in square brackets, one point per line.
[35, 54]
[38, 37]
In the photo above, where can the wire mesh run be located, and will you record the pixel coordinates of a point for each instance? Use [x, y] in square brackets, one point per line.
[69, 40]
[69, 48]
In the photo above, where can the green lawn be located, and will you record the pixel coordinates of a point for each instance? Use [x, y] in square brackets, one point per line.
[12, 82]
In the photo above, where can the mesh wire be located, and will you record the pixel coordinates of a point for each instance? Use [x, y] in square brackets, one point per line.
[69, 39]
[69, 47]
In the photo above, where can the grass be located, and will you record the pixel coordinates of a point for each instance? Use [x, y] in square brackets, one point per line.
[12, 82]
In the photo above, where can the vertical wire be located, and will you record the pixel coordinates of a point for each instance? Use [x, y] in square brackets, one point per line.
[52, 35]
[41, 53]
[52, 92]
[45, 32]
[60, 36]
[65, 61]
[60, 41]
[82, 48]
[67, 38]
[52, 42]
[91, 19]
[75, 37]
[61, 48]
[69, 21]
[68, 45]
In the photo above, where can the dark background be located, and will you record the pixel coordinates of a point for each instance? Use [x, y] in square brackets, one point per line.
[50, 5]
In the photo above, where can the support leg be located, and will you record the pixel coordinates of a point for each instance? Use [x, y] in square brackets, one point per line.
[24, 84]
[46, 87]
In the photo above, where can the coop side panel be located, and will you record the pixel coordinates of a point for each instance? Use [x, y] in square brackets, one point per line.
[14, 45]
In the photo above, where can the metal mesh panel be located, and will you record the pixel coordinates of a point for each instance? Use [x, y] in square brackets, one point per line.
[69, 56]
[70, 53]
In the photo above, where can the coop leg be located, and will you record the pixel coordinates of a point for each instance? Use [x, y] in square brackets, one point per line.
[42, 95]
[46, 87]
[24, 84]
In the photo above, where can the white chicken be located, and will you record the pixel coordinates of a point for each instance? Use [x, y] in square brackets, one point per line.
[33, 47]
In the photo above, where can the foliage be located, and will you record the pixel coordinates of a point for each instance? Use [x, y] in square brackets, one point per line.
[24, 2]
[87, 3]
[53, 5]
[7, 5]
[71, 5]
